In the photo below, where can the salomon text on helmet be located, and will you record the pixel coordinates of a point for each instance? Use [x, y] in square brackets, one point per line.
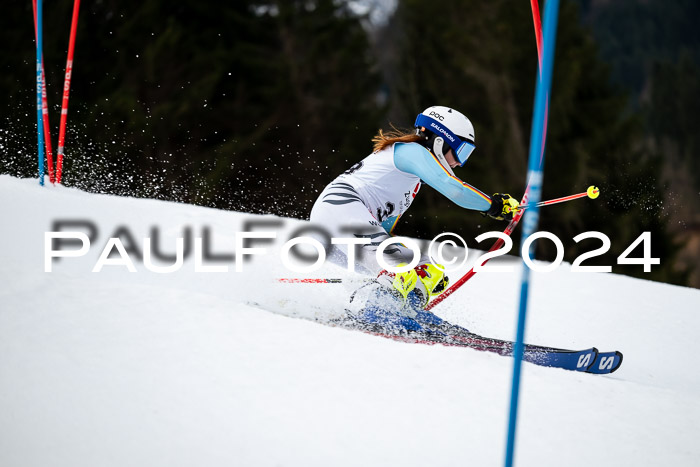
[446, 128]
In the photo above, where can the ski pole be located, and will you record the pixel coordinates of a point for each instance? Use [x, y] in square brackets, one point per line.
[315, 280]
[592, 192]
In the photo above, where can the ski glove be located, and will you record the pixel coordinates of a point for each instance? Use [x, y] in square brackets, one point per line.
[503, 206]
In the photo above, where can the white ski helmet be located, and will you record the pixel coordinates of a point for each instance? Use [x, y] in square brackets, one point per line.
[450, 129]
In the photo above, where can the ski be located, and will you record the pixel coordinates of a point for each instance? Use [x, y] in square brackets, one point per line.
[587, 360]
[605, 363]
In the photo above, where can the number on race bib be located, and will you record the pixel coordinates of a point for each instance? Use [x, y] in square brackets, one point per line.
[383, 214]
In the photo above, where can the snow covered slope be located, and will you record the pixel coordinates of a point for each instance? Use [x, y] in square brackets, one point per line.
[122, 368]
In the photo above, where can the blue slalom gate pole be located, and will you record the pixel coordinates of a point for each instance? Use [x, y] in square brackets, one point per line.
[39, 121]
[530, 220]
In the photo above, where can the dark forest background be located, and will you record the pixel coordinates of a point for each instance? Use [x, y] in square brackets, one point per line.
[255, 106]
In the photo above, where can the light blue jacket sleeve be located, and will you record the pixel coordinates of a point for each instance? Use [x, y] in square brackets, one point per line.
[415, 159]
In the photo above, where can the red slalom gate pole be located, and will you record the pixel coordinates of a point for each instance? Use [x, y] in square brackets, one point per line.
[45, 110]
[47, 126]
[538, 29]
[66, 91]
[519, 214]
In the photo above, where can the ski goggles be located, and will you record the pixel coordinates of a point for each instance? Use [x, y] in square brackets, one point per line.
[461, 148]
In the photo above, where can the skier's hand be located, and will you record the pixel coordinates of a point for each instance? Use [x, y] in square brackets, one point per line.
[503, 206]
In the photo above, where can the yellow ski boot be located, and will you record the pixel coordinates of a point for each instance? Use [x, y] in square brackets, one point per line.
[425, 281]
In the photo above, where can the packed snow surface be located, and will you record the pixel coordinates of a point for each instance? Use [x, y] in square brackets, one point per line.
[186, 368]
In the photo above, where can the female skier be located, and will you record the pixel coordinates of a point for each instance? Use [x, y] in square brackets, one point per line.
[369, 198]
